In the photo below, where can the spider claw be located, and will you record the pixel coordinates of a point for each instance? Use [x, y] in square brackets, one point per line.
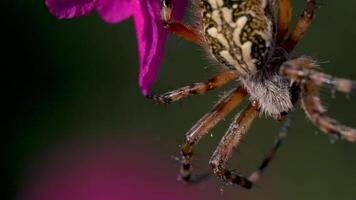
[195, 178]
[158, 98]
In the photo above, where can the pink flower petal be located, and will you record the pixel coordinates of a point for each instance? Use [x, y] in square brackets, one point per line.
[151, 38]
[65, 9]
[114, 11]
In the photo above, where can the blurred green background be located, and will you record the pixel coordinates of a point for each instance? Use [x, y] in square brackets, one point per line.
[78, 79]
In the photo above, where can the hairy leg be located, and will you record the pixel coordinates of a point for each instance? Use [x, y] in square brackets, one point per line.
[304, 68]
[302, 26]
[229, 142]
[232, 139]
[196, 88]
[204, 125]
[176, 27]
[285, 17]
[317, 114]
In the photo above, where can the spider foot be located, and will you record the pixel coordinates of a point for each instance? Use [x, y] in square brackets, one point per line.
[232, 178]
[186, 172]
[195, 178]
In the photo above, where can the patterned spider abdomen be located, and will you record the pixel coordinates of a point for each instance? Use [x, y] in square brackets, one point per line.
[239, 33]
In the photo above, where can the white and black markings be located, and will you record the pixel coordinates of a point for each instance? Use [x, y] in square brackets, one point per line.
[239, 33]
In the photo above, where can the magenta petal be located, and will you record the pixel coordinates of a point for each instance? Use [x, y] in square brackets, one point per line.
[151, 38]
[65, 9]
[114, 11]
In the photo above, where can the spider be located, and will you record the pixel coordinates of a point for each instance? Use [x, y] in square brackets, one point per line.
[251, 40]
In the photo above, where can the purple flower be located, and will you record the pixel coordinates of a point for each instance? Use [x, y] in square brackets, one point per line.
[151, 35]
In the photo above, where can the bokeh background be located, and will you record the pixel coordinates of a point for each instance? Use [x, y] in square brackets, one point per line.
[80, 128]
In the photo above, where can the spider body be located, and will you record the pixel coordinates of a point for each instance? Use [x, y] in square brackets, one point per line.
[239, 34]
[249, 37]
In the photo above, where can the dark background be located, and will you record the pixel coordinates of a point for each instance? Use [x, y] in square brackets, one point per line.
[76, 80]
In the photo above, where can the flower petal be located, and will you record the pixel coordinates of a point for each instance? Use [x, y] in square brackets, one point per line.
[114, 11]
[66, 9]
[151, 38]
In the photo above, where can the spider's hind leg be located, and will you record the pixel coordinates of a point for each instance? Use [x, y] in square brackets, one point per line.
[255, 176]
[232, 139]
[204, 125]
[229, 142]
[176, 27]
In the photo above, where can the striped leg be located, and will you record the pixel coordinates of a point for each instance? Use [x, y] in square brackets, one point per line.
[175, 27]
[229, 142]
[302, 26]
[285, 17]
[338, 84]
[317, 114]
[204, 125]
[303, 68]
[255, 176]
[196, 88]
[232, 139]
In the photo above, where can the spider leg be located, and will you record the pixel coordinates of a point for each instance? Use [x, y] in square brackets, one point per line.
[229, 142]
[204, 125]
[317, 114]
[301, 27]
[233, 138]
[303, 68]
[255, 176]
[196, 88]
[285, 17]
[176, 27]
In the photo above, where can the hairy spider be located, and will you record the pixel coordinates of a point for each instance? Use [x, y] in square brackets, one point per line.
[250, 39]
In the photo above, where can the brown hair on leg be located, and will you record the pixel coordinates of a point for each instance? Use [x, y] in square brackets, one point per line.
[301, 27]
[285, 17]
[317, 114]
[205, 124]
[228, 144]
[196, 88]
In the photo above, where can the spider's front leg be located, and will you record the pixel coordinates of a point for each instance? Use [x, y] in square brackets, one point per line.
[176, 27]
[302, 70]
[285, 17]
[204, 125]
[196, 88]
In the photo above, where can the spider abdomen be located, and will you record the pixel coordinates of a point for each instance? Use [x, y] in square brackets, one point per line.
[239, 33]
